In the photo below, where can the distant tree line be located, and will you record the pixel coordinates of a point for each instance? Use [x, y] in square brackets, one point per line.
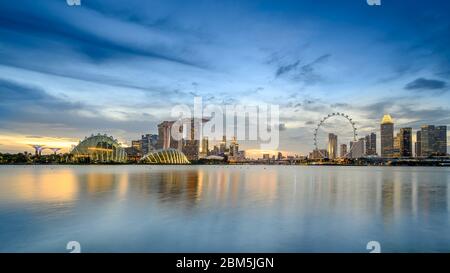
[28, 158]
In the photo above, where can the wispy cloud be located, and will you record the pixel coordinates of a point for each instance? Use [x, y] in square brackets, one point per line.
[423, 84]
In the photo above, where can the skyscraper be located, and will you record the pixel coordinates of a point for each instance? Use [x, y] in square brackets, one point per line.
[418, 143]
[191, 143]
[405, 139]
[371, 144]
[148, 143]
[332, 146]
[318, 154]
[433, 140]
[343, 151]
[205, 146]
[137, 144]
[396, 147]
[357, 148]
[441, 140]
[428, 142]
[234, 147]
[387, 136]
[223, 145]
[165, 139]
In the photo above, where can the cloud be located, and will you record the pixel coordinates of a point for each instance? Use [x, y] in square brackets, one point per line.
[15, 96]
[422, 84]
[287, 68]
[27, 108]
[47, 25]
[307, 73]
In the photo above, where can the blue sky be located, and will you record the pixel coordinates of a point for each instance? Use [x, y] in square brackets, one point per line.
[118, 67]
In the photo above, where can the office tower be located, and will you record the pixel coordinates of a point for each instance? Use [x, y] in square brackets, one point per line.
[319, 154]
[205, 147]
[234, 148]
[191, 144]
[137, 145]
[266, 156]
[332, 146]
[280, 156]
[433, 140]
[371, 144]
[405, 139]
[418, 146]
[357, 148]
[428, 141]
[441, 140]
[396, 148]
[387, 136]
[223, 145]
[165, 135]
[147, 143]
[343, 151]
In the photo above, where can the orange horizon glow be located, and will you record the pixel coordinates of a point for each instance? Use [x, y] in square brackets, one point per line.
[21, 143]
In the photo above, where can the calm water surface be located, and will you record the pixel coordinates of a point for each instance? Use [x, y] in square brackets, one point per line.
[224, 208]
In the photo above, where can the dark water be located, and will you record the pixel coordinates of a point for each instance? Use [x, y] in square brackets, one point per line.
[224, 208]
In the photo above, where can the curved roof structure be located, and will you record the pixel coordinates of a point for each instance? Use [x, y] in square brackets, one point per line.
[165, 156]
[100, 148]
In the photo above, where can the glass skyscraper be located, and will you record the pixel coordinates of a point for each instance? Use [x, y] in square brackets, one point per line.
[387, 136]
[405, 142]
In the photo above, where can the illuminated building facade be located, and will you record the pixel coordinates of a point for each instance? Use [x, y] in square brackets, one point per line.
[165, 156]
[99, 148]
[332, 146]
[387, 136]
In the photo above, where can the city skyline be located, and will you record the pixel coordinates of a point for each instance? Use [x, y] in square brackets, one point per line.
[392, 143]
[62, 78]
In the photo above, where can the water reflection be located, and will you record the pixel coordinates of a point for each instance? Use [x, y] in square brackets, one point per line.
[237, 208]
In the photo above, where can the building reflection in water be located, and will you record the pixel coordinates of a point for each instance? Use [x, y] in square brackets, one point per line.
[391, 193]
[27, 184]
[305, 203]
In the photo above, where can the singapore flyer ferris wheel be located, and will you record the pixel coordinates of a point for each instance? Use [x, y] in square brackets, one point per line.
[328, 118]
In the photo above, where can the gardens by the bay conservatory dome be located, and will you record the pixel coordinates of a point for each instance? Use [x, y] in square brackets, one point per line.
[99, 148]
[165, 156]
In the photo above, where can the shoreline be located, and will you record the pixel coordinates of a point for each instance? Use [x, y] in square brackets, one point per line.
[234, 164]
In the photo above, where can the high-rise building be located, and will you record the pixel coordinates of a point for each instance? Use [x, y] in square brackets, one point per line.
[428, 141]
[343, 150]
[234, 147]
[357, 148]
[371, 144]
[405, 139]
[387, 136]
[165, 138]
[418, 146]
[191, 143]
[205, 147]
[137, 144]
[441, 140]
[332, 146]
[319, 154]
[396, 147]
[433, 140]
[223, 145]
[147, 143]
[280, 156]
